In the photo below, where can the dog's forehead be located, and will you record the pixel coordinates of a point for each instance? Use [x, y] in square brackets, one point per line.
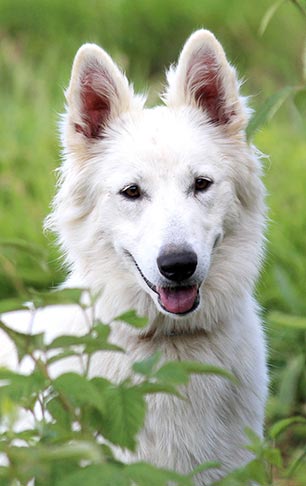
[171, 136]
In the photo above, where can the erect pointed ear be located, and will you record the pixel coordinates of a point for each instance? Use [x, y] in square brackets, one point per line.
[97, 93]
[203, 78]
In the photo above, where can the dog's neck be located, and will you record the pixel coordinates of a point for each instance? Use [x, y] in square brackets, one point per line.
[154, 334]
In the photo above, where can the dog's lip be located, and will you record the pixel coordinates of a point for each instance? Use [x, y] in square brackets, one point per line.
[191, 303]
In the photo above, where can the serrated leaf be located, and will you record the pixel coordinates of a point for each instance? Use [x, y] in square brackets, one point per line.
[254, 471]
[177, 372]
[25, 343]
[59, 413]
[273, 456]
[148, 388]
[101, 338]
[96, 475]
[97, 340]
[173, 373]
[56, 297]
[147, 366]
[65, 341]
[79, 391]
[256, 444]
[253, 437]
[33, 460]
[205, 466]
[8, 305]
[283, 425]
[266, 112]
[21, 389]
[245, 476]
[63, 355]
[125, 411]
[144, 474]
[133, 319]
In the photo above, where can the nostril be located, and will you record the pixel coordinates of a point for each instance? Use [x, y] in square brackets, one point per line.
[177, 266]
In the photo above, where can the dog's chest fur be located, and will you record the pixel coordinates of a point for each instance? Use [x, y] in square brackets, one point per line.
[208, 423]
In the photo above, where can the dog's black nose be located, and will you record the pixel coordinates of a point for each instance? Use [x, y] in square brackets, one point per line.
[177, 266]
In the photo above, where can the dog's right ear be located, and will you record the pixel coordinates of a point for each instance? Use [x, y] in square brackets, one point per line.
[98, 92]
[203, 78]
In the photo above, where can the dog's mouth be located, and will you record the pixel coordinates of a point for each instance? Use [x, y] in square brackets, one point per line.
[176, 299]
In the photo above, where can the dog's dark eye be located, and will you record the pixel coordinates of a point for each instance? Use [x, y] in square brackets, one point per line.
[202, 184]
[131, 192]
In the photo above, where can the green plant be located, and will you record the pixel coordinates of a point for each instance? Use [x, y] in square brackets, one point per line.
[72, 414]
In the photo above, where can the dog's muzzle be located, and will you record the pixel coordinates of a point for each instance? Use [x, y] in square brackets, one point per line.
[180, 296]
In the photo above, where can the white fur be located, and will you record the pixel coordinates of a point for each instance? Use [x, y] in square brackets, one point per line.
[162, 150]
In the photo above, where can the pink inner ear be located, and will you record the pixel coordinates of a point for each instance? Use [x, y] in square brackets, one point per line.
[95, 99]
[205, 83]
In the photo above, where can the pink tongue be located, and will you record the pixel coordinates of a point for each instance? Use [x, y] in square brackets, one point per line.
[177, 300]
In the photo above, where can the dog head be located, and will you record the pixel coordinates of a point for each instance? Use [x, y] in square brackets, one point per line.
[165, 200]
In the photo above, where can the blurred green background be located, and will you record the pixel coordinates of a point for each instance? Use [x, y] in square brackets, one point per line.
[38, 41]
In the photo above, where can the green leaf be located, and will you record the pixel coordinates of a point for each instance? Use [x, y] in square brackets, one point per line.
[283, 425]
[96, 340]
[273, 457]
[21, 245]
[147, 366]
[204, 467]
[8, 305]
[268, 16]
[96, 475]
[266, 112]
[60, 414]
[256, 444]
[25, 343]
[253, 437]
[133, 319]
[39, 460]
[143, 474]
[22, 389]
[63, 355]
[177, 372]
[289, 382]
[148, 387]
[79, 391]
[304, 60]
[101, 334]
[245, 476]
[125, 412]
[288, 290]
[56, 297]
[287, 320]
[295, 464]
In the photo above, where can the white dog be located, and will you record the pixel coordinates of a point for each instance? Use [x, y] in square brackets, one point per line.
[162, 211]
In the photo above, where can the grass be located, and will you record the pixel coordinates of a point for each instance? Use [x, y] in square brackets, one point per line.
[38, 42]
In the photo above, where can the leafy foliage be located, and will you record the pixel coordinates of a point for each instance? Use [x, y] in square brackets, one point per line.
[73, 419]
[72, 415]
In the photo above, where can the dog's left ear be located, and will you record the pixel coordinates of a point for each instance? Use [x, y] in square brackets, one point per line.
[98, 93]
[203, 78]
